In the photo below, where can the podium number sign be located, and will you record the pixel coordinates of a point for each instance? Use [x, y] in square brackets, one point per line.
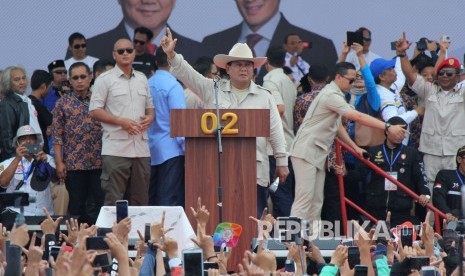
[209, 123]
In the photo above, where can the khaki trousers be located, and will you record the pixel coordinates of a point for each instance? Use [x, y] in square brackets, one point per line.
[60, 198]
[434, 163]
[309, 190]
[125, 178]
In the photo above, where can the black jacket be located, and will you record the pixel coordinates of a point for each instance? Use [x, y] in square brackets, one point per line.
[446, 191]
[15, 113]
[45, 118]
[410, 172]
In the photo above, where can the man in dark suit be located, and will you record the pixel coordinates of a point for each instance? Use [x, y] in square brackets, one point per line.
[136, 13]
[263, 18]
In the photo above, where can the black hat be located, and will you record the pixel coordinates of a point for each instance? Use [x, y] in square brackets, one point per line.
[41, 176]
[56, 63]
[318, 72]
[396, 120]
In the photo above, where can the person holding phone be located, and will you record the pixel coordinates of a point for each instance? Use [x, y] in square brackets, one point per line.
[29, 171]
[368, 55]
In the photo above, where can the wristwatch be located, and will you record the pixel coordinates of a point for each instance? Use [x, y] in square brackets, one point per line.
[387, 126]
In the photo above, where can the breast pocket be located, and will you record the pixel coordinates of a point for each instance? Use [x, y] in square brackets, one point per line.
[141, 98]
[120, 99]
[457, 103]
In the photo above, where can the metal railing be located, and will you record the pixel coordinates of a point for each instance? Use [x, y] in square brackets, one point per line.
[339, 144]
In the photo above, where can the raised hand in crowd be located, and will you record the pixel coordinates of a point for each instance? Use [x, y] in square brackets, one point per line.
[223, 258]
[265, 224]
[49, 226]
[18, 235]
[119, 252]
[344, 52]
[297, 253]
[34, 256]
[168, 44]
[157, 229]
[339, 255]
[201, 215]
[169, 246]
[121, 230]
[402, 44]
[205, 242]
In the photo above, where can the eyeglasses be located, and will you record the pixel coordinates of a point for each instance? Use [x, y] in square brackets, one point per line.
[79, 46]
[358, 77]
[367, 38]
[60, 72]
[82, 77]
[127, 50]
[351, 81]
[448, 72]
[137, 41]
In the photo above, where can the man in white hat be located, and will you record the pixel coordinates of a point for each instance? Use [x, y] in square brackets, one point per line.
[29, 171]
[237, 92]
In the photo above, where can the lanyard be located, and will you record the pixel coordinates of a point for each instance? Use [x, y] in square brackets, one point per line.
[29, 171]
[392, 161]
[459, 177]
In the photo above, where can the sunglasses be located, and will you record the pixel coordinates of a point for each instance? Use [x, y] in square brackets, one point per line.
[79, 46]
[137, 41]
[82, 77]
[127, 50]
[351, 81]
[367, 38]
[60, 72]
[448, 73]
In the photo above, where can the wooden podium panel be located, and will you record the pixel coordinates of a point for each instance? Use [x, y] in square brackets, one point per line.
[238, 168]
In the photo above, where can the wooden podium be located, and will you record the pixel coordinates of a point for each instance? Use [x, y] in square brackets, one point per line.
[238, 166]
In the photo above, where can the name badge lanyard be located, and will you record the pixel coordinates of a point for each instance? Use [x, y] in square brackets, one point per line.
[391, 162]
[25, 174]
[459, 177]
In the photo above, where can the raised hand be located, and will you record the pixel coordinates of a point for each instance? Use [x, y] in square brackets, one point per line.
[169, 44]
[402, 44]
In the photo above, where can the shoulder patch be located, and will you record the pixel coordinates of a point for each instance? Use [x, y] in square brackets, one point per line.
[263, 88]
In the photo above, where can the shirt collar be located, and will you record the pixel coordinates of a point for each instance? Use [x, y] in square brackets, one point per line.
[155, 40]
[23, 97]
[266, 31]
[120, 72]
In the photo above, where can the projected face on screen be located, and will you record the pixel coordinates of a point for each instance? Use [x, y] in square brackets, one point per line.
[257, 13]
[151, 14]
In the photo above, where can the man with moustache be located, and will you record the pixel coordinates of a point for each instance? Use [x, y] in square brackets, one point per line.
[121, 100]
[264, 26]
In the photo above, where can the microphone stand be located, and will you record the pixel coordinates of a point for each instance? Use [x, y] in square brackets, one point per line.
[220, 151]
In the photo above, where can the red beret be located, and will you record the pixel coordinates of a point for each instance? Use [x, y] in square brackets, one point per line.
[449, 62]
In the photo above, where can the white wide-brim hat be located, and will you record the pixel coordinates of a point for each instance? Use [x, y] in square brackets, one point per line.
[240, 51]
[25, 131]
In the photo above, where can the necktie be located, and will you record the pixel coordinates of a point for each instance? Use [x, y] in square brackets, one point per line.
[151, 48]
[252, 40]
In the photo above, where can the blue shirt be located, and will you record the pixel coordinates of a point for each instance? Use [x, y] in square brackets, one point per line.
[50, 100]
[167, 94]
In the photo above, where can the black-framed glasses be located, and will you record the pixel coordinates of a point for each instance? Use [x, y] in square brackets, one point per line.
[448, 72]
[351, 81]
[358, 77]
[122, 50]
[60, 72]
[140, 42]
[76, 77]
[367, 38]
[79, 46]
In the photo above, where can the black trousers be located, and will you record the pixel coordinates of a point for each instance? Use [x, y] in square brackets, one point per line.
[284, 196]
[167, 184]
[85, 194]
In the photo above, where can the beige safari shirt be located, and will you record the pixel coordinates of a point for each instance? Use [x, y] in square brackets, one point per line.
[126, 98]
[257, 98]
[319, 127]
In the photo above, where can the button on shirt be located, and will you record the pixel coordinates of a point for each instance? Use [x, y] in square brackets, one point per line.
[167, 94]
[126, 98]
[43, 199]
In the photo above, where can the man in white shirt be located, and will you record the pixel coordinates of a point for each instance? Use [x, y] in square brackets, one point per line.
[389, 81]
[78, 47]
[294, 47]
[29, 171]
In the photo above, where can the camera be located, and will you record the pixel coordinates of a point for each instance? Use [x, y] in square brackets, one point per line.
[422, 44]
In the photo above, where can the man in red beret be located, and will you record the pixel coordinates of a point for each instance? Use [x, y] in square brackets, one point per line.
[443, 130]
